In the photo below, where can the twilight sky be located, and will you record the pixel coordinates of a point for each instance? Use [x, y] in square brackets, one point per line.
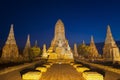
[82, 18]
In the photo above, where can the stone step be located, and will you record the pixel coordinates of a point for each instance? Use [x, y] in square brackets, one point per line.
[32, 75]
[47, 65]
[75, 65]
[92, 76]
[82, 69]
[42, 69]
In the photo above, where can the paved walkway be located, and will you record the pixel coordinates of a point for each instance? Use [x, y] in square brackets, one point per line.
[61, 72]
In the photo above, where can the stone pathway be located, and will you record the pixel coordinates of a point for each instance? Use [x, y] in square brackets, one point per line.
[61, 72]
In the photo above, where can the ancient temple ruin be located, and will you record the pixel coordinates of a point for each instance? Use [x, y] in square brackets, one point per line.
[59, 48]
[10, 49]
[110, 49]
[26, 51]
[93, 49]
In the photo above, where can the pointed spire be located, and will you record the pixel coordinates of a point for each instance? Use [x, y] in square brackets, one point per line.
[59, 25]
[92, 40]
[59, 21]
[36, 43]
[59, 31]
[83, 42]
[92, 44]
[93, 49]
[109, 37]
[75, 50]
[44, 48]
[109, 30]
[27, 47]
[11, 38]
[11, 29]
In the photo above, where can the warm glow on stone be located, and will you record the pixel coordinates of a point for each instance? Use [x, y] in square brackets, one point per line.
[32, 76]
[92, 76]
[44, 54]
[46, 65]
[50, 64]
[52, 55]
[82, 69]
[71, 63]
[75, 65]
[42, 69]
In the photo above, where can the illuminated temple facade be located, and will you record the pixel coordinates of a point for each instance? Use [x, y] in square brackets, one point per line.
[59, 48]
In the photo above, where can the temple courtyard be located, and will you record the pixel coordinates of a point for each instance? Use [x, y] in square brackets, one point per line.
[59, 57]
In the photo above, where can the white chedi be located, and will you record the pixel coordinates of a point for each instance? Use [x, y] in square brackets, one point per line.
[44, 54]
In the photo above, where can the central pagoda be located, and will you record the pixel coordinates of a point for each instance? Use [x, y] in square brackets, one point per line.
[59, 48]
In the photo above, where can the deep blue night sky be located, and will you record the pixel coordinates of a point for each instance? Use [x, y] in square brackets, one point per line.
[82, 18]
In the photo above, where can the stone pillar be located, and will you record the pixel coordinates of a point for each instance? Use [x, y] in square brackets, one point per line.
[75, 50]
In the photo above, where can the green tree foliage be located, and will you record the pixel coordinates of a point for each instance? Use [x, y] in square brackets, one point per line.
[35, 52]
[83, 50]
